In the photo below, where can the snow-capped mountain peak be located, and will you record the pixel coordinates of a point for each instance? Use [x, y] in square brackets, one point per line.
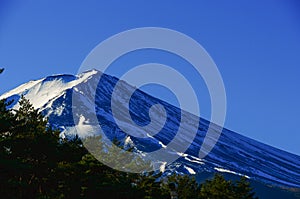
[233, 154]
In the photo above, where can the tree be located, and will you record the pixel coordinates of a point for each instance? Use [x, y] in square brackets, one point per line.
[243, 189]
[219, 188]
[216, 188]
[185, 186]
[28, 148]
[36, 163]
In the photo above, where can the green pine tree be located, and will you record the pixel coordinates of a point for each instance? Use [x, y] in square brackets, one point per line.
[219, 188]
[36, 163]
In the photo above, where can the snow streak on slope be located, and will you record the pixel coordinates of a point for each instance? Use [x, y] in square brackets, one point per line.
[234, 153]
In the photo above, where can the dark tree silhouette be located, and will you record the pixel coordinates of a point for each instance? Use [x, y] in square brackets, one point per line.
[35, 162]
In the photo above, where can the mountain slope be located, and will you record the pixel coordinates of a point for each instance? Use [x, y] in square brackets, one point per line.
[234, 154]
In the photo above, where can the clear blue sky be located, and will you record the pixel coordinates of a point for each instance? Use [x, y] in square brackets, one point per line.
[255, 44]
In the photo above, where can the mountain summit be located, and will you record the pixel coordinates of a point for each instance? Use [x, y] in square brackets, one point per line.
[233, 154]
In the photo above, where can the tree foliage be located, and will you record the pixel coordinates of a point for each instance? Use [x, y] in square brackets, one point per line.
[219, 188]
[35, 162]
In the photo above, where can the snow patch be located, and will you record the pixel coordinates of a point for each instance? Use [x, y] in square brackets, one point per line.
[195, 161]
[162, 145]
[182, 154]
[190, 170]
[228, 171]
[128, 141]
[162, 167]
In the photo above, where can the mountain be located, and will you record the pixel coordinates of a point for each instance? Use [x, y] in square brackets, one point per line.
[234, 155]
